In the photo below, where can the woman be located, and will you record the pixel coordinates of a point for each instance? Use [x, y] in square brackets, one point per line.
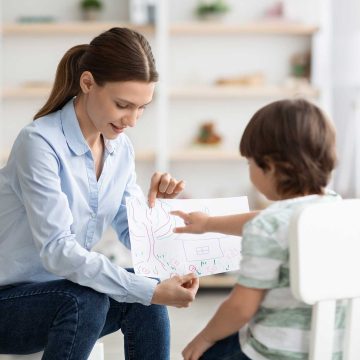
[65, 182]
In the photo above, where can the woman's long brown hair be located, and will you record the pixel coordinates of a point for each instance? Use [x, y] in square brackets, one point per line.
[119, 54]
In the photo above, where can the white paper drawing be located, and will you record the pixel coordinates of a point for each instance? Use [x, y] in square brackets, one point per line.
[158, 252]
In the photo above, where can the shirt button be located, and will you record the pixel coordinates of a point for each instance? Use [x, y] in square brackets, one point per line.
[93, 215]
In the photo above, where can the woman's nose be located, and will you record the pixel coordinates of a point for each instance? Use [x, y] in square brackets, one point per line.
[131, 118]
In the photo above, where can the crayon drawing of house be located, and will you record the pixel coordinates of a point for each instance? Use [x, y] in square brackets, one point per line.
[202, 249]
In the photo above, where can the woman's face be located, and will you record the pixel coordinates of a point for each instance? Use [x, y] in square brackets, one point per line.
[113, 107]
[264, 181]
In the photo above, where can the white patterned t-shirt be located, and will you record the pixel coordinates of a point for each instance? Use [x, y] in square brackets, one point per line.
[280, 328]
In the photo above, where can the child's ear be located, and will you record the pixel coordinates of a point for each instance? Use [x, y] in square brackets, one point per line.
[269, 163]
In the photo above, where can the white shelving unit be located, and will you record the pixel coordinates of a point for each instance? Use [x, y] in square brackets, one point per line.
[190, 56]
[194, 88]
[189, 28]
[165, 93]
[172, 132]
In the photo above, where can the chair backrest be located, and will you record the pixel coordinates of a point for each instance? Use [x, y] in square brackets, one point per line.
[324, 268]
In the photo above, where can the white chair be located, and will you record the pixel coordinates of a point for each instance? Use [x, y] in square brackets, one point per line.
[325, 267]
[97, 353]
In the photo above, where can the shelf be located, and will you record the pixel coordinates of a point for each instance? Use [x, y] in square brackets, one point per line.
[205, 155]
[190, 92]
[139, 156]
[261, 27]
[187, 155]
[193, 155]
[3, 157]
[144, 156]
[70, 28]
[229, 92]
[26, 92]
[190, 28]
[218, 281]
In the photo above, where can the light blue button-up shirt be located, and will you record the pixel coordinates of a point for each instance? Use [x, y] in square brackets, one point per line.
[53, 210]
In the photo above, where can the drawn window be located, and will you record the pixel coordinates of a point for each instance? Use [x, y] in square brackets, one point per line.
[202, 250]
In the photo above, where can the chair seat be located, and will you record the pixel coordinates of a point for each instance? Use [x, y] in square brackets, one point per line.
[97, 353]
[36, 356]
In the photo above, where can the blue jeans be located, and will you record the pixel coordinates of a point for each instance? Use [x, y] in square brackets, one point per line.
[65, 320]
[226, 349]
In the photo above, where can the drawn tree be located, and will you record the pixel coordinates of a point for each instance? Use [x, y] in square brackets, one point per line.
[157, 225]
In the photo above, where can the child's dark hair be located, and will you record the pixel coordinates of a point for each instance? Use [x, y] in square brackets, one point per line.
[296, 137]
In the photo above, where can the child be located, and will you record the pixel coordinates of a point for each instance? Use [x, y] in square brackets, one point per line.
[290, 147]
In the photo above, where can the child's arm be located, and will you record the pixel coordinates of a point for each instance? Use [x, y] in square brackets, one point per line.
[231, 316]
[198, 222]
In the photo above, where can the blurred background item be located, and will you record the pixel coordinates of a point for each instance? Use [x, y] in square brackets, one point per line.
[91, 9]
[212, 10]
[251, 79]
[300, 65]
[274, 11]
[208, 135]
[142, 12]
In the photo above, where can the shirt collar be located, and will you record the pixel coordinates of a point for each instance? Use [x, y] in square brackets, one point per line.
[328, 193]
[73, 134]
[110, 145]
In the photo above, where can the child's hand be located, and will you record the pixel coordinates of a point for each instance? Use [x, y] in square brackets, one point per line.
[195, 222]
[196, 348]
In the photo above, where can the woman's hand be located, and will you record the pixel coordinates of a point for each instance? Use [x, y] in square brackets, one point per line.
[195, 222]
[196, 348]
[164, 186]
[178, 291]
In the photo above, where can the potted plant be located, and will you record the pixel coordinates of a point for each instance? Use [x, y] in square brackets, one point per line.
[212, 10]
[91, 9]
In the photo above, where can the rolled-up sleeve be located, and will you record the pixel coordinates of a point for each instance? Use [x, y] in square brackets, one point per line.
[50, 219]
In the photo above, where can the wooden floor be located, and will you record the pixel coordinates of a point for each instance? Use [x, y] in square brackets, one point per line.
[185, 323]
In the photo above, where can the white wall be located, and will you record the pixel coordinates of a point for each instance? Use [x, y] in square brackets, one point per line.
[346, 94]
[64, 10]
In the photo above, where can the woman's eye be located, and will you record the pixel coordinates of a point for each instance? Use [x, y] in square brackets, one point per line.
[120, 106]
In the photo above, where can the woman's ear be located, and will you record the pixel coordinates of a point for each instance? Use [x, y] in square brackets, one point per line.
[86, 81]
